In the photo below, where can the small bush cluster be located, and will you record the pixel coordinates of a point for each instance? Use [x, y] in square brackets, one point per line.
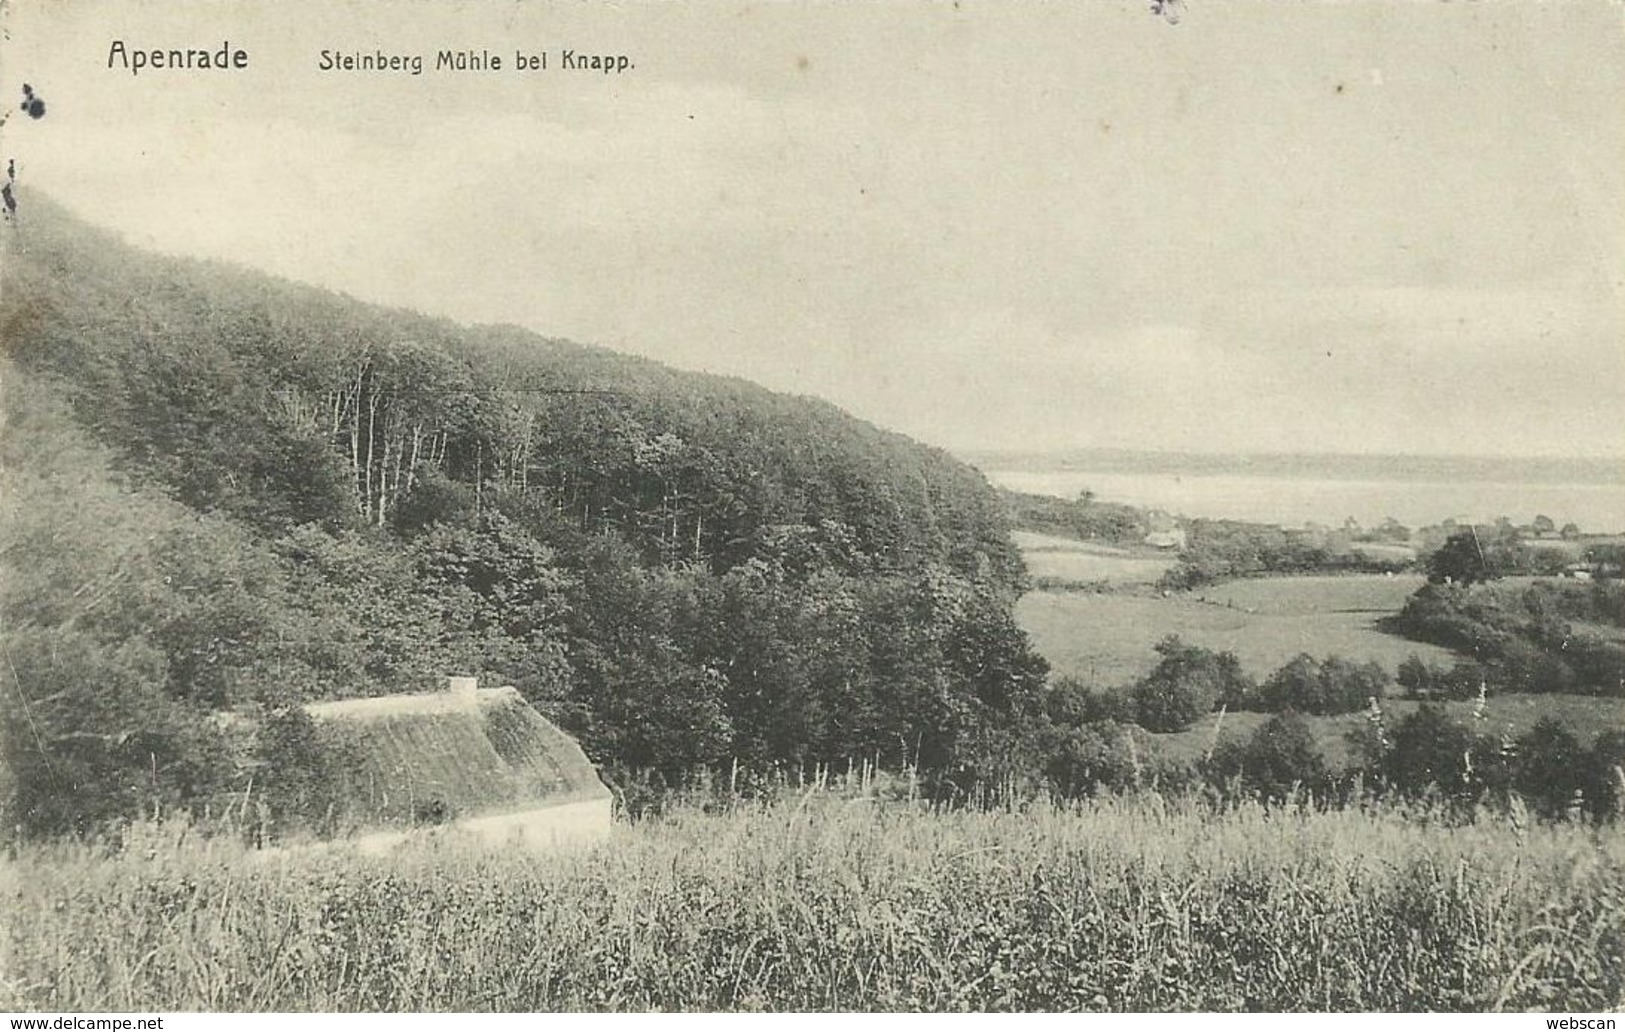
[1220, 550]
[1465, 679]
[1190, 681]
[1332, 685]
[1187, 682]
[1428, 755]
[1096, 739]
[1084, 517]
[1543, 637]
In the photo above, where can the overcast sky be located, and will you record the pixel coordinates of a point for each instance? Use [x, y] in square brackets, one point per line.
[1394, 227]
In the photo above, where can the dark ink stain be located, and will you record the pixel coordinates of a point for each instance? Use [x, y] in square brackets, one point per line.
[1340, 87]
[33, 103]
[802, 64]
[1105, 127]
[1170, 10]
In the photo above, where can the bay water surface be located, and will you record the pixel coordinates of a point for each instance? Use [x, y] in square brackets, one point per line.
[1597, 506]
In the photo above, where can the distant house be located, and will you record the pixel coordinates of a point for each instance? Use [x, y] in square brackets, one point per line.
[1170, 539]
[481, 760]
[1165, 531]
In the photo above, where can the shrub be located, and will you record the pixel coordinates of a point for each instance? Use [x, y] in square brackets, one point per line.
[1070, 703]
[97, 739]
[1605, 777]
[1281, 757]
[1417, 678]
[1282, 753]
[1597, 663]
[1187, 682]
[1491, 768]
[1422, 680]
[1429, 750]
[1527, 638]
[1335, 685]
[1466, 680]
[1551, 768]
[1101, 754]
[299, 777]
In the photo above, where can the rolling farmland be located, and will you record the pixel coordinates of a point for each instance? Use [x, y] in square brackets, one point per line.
[1107, 638]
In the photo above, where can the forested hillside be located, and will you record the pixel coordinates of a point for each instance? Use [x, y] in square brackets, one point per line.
[227, 494]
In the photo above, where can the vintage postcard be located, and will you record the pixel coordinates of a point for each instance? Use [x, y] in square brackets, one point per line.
[918, 506]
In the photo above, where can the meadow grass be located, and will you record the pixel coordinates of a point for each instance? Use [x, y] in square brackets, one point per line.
[819, 902]
[1066, 561]
[1342, 593]
[1108, 638]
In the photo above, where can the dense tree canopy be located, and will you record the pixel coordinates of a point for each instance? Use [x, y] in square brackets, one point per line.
[230, 494]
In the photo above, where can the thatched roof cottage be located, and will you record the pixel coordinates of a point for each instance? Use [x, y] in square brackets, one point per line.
[482, 760]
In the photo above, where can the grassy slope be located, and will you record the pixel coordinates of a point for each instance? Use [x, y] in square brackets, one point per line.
[1070, 561]
[1332, 594]
[821, 903]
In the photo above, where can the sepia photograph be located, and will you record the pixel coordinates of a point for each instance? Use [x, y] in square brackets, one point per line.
[716, 506]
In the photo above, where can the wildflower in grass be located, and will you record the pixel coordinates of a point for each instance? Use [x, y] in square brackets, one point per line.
[1133, 756]
[1373, 719]
[1577, 805]
[1213, 739]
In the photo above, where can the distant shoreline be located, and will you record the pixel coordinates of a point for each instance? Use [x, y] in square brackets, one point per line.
[1301, 497]
[1352, 467]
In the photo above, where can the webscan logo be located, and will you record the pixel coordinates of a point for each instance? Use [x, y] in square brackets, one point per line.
[1566, 1023]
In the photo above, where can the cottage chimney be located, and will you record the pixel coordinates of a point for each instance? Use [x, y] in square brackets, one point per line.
[464, 686]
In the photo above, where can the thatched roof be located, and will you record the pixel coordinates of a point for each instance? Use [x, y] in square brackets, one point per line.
[435, 756]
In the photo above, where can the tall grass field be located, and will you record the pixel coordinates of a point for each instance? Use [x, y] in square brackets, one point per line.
[825, 902]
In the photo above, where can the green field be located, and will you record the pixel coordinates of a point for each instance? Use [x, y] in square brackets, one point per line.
[1064, 561]
[820, 902]
[1287, 596]
[1107, 638]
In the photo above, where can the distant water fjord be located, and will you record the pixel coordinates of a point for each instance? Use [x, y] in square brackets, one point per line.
[1294, 500]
